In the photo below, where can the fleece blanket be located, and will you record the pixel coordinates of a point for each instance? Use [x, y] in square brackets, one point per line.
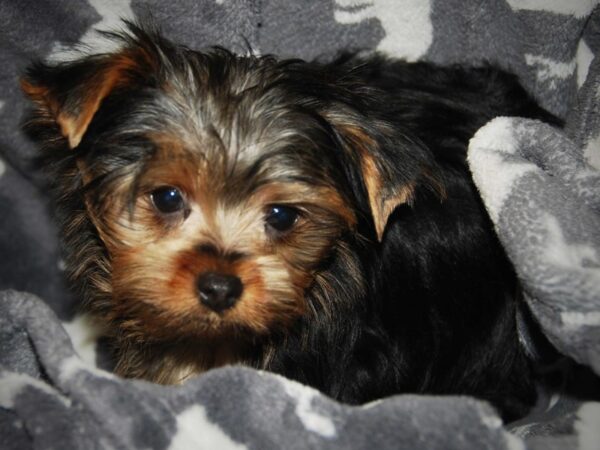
[541, 186]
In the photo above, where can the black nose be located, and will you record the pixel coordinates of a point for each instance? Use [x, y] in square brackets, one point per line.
[219, 291]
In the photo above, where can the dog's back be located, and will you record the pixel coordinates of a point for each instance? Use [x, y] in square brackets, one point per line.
[444, 294]
[444, 268]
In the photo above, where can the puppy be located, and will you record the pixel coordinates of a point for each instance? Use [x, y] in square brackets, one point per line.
[317, 220]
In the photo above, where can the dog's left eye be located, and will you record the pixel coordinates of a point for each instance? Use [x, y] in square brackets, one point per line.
[281, 218]
[167, 199]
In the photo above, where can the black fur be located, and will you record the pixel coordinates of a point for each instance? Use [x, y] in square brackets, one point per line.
[434, 309]
[439, 316]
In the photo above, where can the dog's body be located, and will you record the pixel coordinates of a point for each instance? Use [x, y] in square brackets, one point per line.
[315, 220]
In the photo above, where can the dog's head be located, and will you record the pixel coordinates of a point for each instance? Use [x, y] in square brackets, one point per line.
[204, 193]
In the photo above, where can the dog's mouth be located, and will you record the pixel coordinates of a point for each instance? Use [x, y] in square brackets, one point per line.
[249, 316]
[152, 317]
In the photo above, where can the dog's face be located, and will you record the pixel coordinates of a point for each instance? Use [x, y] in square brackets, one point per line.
[218, 185]
[212, 234]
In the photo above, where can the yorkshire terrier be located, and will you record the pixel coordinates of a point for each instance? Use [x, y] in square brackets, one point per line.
[317, 220]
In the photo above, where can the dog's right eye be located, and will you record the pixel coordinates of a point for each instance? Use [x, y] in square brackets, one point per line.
[167, 199]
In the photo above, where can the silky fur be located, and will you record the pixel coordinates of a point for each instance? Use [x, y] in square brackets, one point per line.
[392, 281]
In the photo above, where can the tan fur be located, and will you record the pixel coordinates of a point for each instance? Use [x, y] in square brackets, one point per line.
[383, 198]
[155, 263]
[117, 71]
[150, 263]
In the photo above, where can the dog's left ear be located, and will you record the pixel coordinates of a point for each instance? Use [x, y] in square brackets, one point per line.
[390, 166]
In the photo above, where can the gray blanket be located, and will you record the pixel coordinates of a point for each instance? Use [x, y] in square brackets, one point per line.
[541, 187]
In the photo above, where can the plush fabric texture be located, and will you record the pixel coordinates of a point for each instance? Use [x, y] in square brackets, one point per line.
[540, 185]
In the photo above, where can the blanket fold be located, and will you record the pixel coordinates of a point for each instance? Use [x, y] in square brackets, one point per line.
[61, 402]
[544, 202]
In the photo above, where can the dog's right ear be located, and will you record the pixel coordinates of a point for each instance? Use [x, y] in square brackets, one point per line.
[70, 94]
